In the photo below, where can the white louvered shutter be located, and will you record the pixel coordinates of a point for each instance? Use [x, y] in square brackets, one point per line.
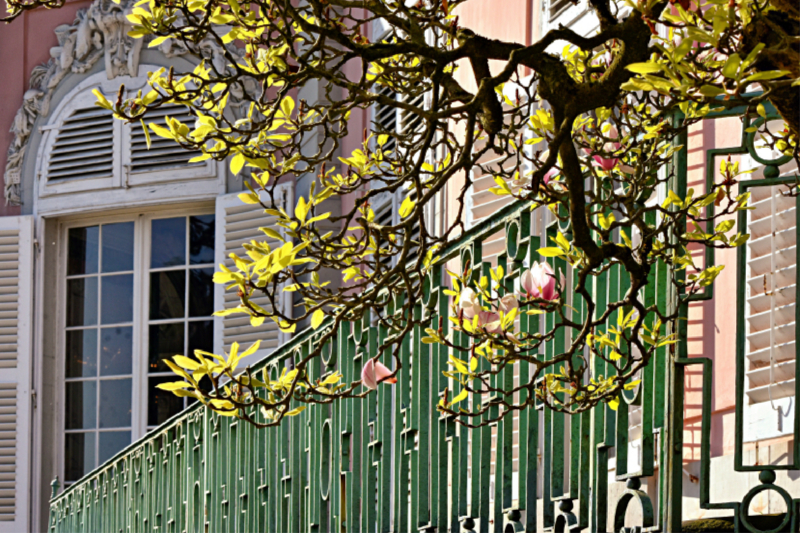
[385, 216]
[238, 223]
[164, 154]
[84, 147]
[16, 316]
[771, 295]
[384, 117]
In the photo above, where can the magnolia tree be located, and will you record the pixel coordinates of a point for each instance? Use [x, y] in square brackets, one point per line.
[586, 132]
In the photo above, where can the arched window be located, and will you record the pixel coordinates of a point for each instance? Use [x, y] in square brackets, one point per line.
[84, 149]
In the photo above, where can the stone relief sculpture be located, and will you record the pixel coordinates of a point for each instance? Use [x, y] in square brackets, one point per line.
[98, 31]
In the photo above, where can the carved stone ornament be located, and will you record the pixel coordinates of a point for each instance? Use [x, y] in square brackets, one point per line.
[98, 31]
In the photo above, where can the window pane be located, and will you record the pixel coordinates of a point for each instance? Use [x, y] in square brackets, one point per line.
[168, 242]
[111, 442]
[166, 340]
[115, 403]
[116, 351]
[201, 292]
[82, 353]
[81, 405]
[167, 294]
[118, 247]
[80, 455]
[117, 305]
[201, 336]
[201, 239]
[162, 404]
[82, 256]
[82, 302]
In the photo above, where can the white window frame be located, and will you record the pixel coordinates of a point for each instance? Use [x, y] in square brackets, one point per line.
[141, 289]
[123, 187]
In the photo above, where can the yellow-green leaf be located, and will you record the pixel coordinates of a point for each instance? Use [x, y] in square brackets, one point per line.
[317, 318]
[237, 163]
[296, 410]
[644, 68]
[173, 385]
[551, 251]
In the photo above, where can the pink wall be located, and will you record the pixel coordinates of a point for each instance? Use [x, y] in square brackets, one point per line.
[25, 43]
[712, 324]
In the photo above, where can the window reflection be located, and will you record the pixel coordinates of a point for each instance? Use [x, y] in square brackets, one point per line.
[201, 292]
[168, 242]
[118, 247]
[80, 455]
[82, 250]
[100, 263]
[82, 302]
[115, 403]
[117, 299]
[116, 351]
[101, 275]
[81, 353]
[181, 302]
[167, 294]
[201, 239]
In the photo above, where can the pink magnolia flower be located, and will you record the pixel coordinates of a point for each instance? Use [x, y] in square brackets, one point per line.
[607, 163]
[539, 282]
[549, 175]
[508, 302]
[374, 373]
[468, 303]
[489, 321]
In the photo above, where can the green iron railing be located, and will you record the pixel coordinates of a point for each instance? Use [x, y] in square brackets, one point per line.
[391, 462]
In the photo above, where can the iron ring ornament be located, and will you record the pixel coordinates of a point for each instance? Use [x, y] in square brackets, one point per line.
[566, 521]
[329, 358]
[518, 236]
[767, 478]
[326, 464]
[771, 170]
[631, 493]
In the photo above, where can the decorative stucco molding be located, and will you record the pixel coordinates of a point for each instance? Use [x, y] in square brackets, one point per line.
[101, 30]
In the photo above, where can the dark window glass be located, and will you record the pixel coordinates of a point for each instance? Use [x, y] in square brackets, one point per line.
[168, 244]
[167, 291]
[79, 455]
[117, 305]
[111, 442]
[116, 351]
[81, 353]
[166, 340]
[201, 292]
[201, 336]
[118, 247]
[201, 239]
[82, 255]
[81, 405]
[82, 302]
[115, 403]
[162, 404]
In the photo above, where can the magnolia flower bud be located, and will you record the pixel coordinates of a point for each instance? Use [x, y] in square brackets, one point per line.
[374, 373]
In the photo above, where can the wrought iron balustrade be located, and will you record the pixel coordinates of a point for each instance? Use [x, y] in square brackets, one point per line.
[391, 462]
